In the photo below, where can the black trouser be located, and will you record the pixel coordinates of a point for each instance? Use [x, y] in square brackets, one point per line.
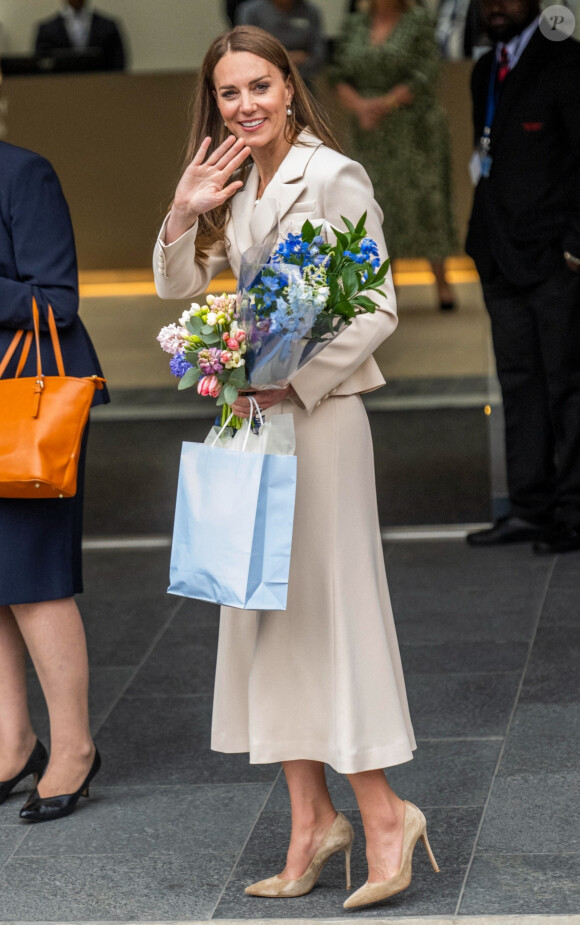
[536, 339]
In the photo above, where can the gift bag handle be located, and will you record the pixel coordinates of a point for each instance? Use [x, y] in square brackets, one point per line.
[254, 412]
[28, 341]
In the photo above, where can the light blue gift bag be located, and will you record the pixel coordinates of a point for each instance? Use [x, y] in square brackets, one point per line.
[232, 534]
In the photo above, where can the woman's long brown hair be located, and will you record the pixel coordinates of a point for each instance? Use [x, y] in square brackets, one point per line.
[306, 113]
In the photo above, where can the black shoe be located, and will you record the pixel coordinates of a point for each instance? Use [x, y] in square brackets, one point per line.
[37, 809]
[507, 530]
[35, 765]
[560, 538]
[446, 305]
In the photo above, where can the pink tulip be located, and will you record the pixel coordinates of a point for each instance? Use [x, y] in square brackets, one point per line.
[209, 385]
[216, 388]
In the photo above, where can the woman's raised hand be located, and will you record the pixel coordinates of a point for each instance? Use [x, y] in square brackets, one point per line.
[204, 184]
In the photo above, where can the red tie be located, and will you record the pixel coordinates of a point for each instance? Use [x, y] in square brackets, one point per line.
[504, 65]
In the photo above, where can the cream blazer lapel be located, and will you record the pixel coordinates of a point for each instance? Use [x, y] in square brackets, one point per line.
[252, 222]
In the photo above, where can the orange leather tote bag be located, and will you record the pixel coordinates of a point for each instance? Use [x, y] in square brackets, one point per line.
[42, 420]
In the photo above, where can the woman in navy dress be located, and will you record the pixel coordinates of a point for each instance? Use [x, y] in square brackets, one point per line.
[40, 540]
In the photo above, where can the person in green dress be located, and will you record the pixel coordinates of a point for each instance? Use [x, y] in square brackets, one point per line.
[385, 70]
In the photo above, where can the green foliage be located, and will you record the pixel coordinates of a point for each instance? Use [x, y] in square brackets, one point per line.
[189, 378]
[238, 378]
[195, 325]
[349, 281]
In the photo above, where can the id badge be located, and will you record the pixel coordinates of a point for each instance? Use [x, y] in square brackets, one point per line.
[475, 168]
[486, 162]
[485, 158]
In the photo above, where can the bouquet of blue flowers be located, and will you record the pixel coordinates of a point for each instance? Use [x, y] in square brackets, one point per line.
[295, 300]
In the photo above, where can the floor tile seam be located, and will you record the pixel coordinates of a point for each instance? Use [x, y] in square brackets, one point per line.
[151, 648]
[428, 806]
[168, 696]
[455, 674]
[14, 850]
[525, 854]
[506, 734]
[435, 919]
[475, 584]
[219, 785]
[459, 739]
[471, 641]
[557, 625]
[245, 844]
[570, 772]
[127, 856]
[95, 666]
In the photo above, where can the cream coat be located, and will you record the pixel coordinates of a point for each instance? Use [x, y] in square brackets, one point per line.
[323, 679]
[313, 182]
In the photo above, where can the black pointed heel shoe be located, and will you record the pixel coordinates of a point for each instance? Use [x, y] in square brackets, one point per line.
[39, 809]
[36, 766]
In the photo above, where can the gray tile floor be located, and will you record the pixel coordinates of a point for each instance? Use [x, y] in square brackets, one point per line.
[172, 831]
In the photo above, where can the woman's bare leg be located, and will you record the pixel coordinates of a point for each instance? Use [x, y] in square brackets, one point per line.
[382, 813]
[17, 737]
[312, 814]
[443, 289]
[55, 638]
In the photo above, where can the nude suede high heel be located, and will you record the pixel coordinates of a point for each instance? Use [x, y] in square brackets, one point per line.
[414, 828]
[339, 838]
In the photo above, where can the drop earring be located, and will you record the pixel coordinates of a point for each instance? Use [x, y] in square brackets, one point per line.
[288, 111]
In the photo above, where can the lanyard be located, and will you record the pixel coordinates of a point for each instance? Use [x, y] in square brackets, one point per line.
[493, 91]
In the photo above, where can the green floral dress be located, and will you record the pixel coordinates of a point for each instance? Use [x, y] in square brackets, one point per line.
[408, 155]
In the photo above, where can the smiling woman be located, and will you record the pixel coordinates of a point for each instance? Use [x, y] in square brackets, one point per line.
[254, 100]
[297, 110]
[322, 681]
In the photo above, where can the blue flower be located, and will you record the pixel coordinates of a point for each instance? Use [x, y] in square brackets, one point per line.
[179, 365]
[370, 252]
[291, 246]
[271, 282]
[269, 298]
[293, 249]
[356, 258]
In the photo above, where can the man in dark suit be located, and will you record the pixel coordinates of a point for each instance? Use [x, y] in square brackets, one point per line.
[231, 7]
[524, 236]
[79, 29]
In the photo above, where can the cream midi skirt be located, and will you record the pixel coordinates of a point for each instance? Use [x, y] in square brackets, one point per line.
[321, 680]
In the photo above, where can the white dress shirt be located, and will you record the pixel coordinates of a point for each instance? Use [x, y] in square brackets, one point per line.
[516, 46]
[78, 25]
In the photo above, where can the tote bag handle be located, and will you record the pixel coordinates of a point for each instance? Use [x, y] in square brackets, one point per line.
[254, 412]
[27, 344]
